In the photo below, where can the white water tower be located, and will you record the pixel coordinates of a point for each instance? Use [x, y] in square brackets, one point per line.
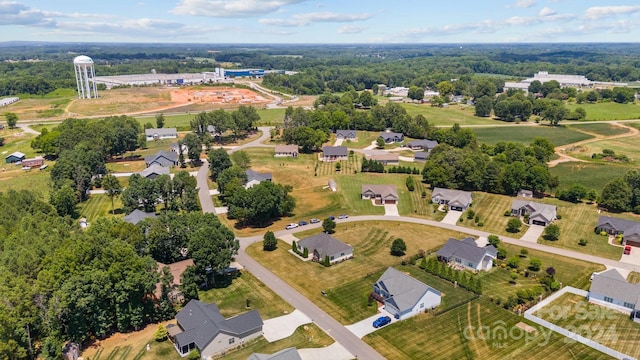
[85, 77]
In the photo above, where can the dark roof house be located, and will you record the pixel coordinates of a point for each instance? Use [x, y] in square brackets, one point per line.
[539, 213]
[255, 178]
[323, 245]
[629, 229]
[332, 153]
[390, 137]
[162, 158]
[468, 254]
[346, 134]
[456, 199]
[154, 171]
[14, 157]
[138, 215]
[202, 327]
[421, 156]
[405, 296]
[423, 144]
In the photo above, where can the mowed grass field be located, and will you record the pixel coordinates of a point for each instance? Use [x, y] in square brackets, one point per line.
[371, 245]
[598, 323]
[490, 208]
[608, 110]
[525, 134]
[456, 335]
[268, 117]
[590, 175]
[621, 146]
[99, 206]
[453, 114]
[600, 129]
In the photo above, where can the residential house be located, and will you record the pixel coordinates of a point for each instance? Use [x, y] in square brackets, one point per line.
[176, 269]
[456, 199]
[385, 158]
[539, 213]
[212, 130]
[138, 215]
[527, 194]
[421, 156]
[14, 157]
[285, 354]
[346, 135]
[35, 162]
[380, 194]
[162, 158]
[424, 145]
[391, 137]
[175, 147]
[201, 326]
[404, 296]
[334, 153]
[254, 178]
[323, 245]
[468, 254]
[629, 229]
[154, 171]
[162, 133]
[287, 151]
[609, 288]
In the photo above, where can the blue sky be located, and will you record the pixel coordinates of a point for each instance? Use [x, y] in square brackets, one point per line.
[320, 21]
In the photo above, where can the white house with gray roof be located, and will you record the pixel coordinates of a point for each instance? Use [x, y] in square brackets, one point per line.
[423, 144]
[629, 229]
[201, 326]
[162, 158]
[380, 194]
[346, 135]
[405, 296]
[539, 213]
[391, 137]
[609, 288]
[254, 178]
[162, 133]
[323, 245]
[334, 153]
[468, 254]
[285, 354]
[456, 199]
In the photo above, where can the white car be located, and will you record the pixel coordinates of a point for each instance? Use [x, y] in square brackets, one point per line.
[291, 226]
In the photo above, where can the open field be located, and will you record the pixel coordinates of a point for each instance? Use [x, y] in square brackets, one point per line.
[182, 120]
[598, 323]
[591, 175]
[476, 330]
[371, 255]
[34, 180]
[600, 129]
[32, 107]
[99, 206]
[454, 114]
[608, 111]
[621, 146]
[526, 134]
[490, 208]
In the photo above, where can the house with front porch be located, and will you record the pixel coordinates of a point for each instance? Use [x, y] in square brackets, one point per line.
[403, 296]
[422, 145]
[380, 194]
[324, 245]
[334, 153]
[538, 213]
[468, 254]
[391, 137]
[456, 199]
[286, 151]
[161, 133]
[346, 135]
[629, 229]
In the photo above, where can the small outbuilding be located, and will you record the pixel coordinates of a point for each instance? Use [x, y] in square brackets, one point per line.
[14, 157]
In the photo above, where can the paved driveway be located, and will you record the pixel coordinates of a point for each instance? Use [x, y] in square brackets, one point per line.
[288, 238]
[633, 258]
[334, 351]
[365, 327]
[284, 326]
[533, 233]
[452, 217]
[338, 142]
[391, 210]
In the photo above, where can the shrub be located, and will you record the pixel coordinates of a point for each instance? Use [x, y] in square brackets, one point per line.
[294, 247]
[410, 183]
[558, 216]
[480, 224]
[514, 224]
[507, 213]
[494, 240]
[470, 214]
[551, 271]
[535, 264]
[603, 233]
[524, 253]
[514, 277]
[305, 253]
[502, 252]
[424, 194]
[552, 232]
[398, 247]
[513, 262]
[269, 242]
[582, 242]
[161, 334]
[477, 219]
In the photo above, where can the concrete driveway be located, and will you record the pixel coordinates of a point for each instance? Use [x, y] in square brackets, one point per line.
[334, 351]
[284, 326]
[288, 238]
[452, 217]
[633, 258]
[338, 142]
[533, 233]
[365, 327]
[391, 210]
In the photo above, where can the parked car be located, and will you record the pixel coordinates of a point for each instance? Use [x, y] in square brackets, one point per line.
[381, 321]
[291, 226]
[627, 250]
[303, 223]
[343, 216]
[314, 221]
[332, 217]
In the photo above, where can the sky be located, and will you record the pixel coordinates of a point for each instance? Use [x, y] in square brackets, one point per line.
[320, 21]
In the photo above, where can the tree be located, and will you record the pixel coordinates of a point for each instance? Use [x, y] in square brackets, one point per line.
[12, 119]
[410, 183]
[160, 121]
[445, 88]
[64, 200]
[554, 112]
[514, 225]
[380, 143]
[416, 93]
[218, 161]
[535, 264]
[161, 334]
[269, 242]
[329, 225]
[241, 158]
[494, 240]
[617, 195]
[112, 186]
[230, 179]
[483, 106]
[551, 271]
[398, 247]
[535, 87]
[194, 147]
[552, 232]
[366, 99]
[513, 262]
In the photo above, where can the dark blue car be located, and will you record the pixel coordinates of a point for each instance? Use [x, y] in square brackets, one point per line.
[381, 321]
[303, 223]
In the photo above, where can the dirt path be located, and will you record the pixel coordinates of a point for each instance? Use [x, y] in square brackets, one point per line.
[560, 150]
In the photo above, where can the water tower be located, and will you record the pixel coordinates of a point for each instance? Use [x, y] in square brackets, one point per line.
[85, 77]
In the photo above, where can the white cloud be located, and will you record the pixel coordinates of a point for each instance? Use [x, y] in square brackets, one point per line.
[231, 8]
[351, 29]
[523, 3]
[13, 13]
[598, 12]
[309, 18]
[547, 12]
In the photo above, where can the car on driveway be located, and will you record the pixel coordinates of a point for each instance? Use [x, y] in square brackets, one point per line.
[291, 226]
[381, 321]
[627, 250]
[303, 223]
[343, 216]
[332, 217]
[314, 221]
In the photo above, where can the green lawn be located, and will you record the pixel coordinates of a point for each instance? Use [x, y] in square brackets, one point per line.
[608, 111]
[455, 335]
[453, 114]
[598, 323]
[621, 146]
[526, 134]
[268, 117]
[490, 208]
[591, 175]
[601, 129]
[98, 206]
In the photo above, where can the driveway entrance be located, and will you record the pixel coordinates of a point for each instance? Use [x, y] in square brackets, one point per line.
[452, 217]
[365, 327]
[533, 233]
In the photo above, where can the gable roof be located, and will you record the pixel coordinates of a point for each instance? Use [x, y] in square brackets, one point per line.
[176, 269]
[616, 223]
[335, 151]
[612, 284]
[421, 155]
[391, 136]
[285, 354]
[346, 133]
[17, 154]
[405, 291]
[423, 143]
[256, 176]
[385, 191]
[286, 149]
[161, 131]
[168, 155]
[384, 157]
[154, 169]
[466, 249]
[455, 197]
[546, 211]
[202, 322]
[324, 244]
[138, 215]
